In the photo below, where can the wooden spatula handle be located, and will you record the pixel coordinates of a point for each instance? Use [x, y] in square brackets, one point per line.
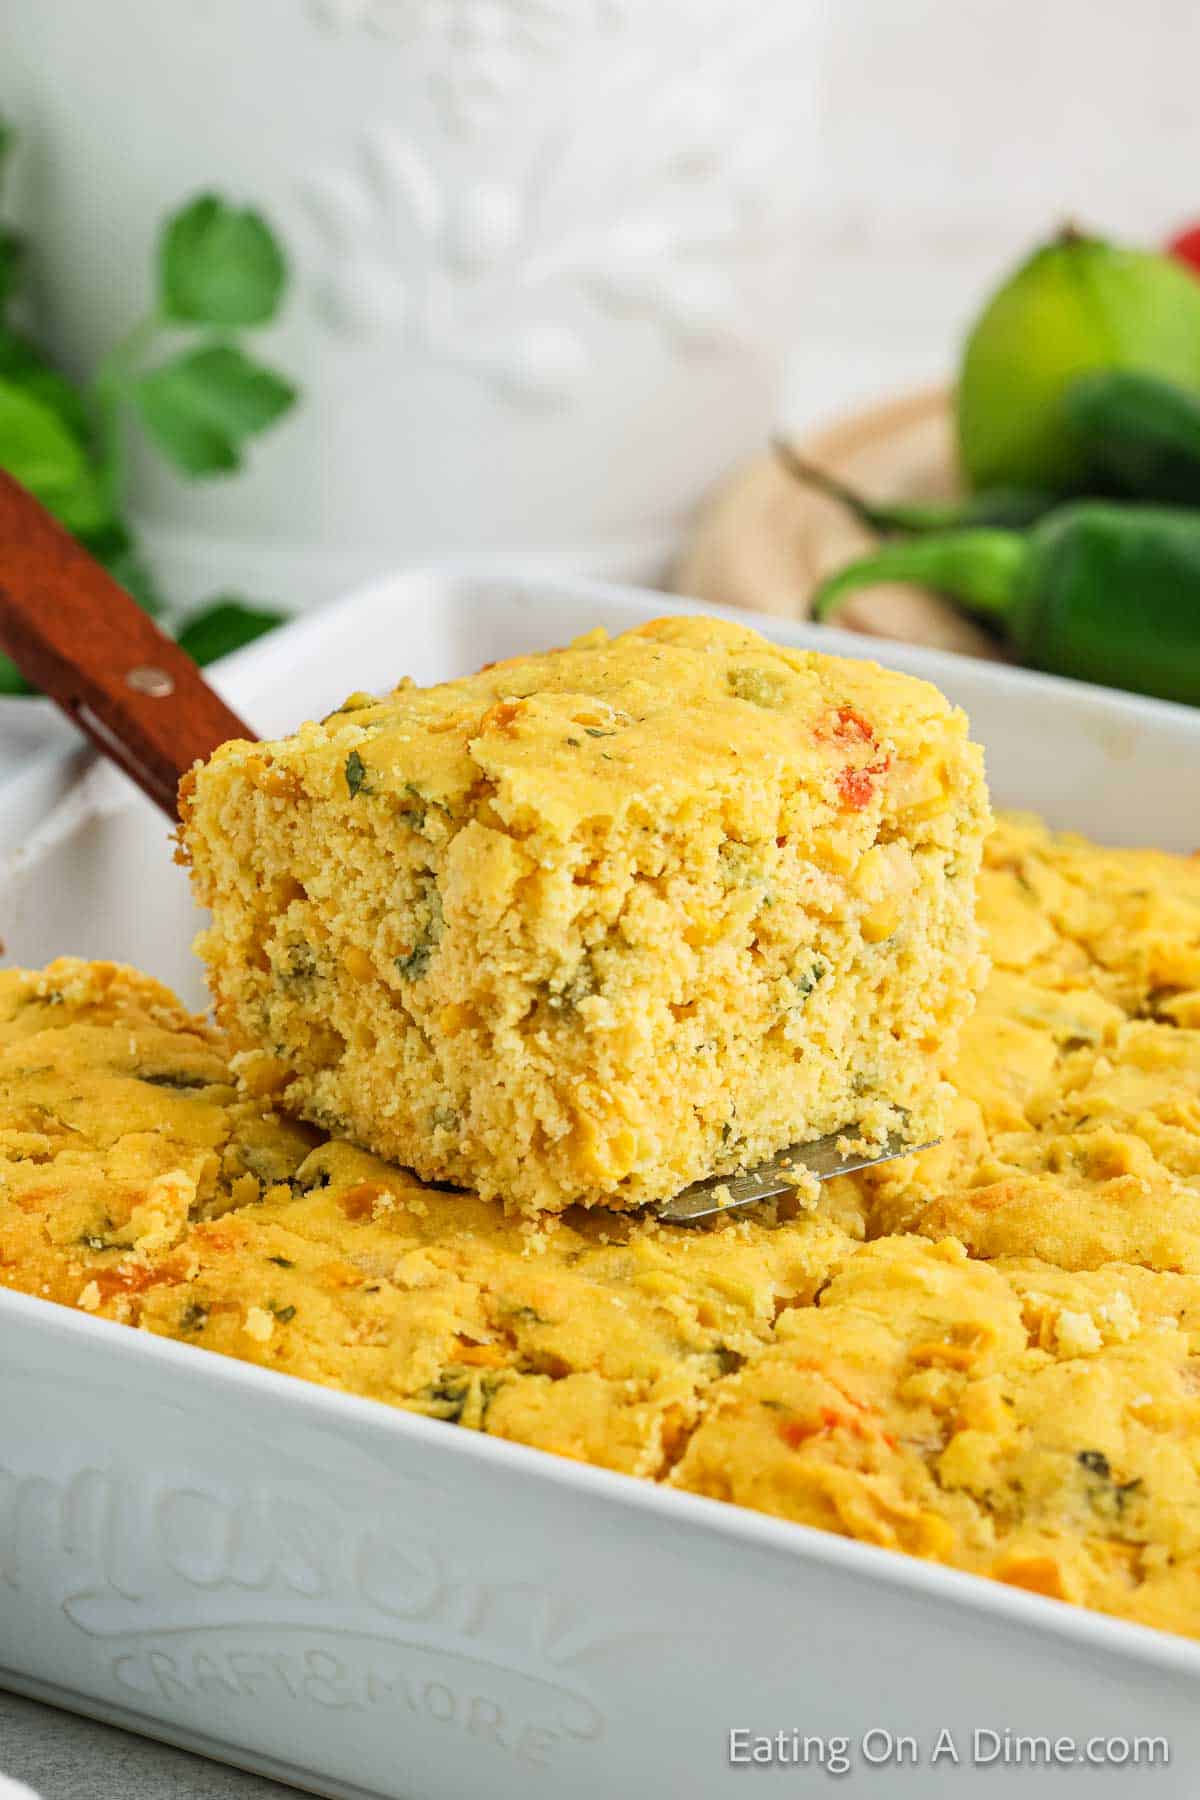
[75, 633]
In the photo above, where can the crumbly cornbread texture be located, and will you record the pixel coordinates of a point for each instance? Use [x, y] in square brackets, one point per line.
[598, 1338]
[988, 1355]
[1075, 1131]
[1007, 1418]
[120, 1125]
[590, 925]
[136, 1185]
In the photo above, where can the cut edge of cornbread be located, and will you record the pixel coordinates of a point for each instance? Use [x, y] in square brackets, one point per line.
[591, 925]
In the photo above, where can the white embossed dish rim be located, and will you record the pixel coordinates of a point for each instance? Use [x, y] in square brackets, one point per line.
[96, 879]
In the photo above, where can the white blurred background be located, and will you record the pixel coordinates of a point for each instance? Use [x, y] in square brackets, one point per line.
[559, 263]
[949, 135]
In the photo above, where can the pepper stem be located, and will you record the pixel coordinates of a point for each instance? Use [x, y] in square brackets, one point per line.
[1004, 507]
[981, 568]
[882, 519]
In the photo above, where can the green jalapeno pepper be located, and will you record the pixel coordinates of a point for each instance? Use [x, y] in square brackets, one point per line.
[1140, 435]
[1104, 592]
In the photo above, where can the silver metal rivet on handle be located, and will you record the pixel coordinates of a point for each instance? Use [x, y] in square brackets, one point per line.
[146, 680]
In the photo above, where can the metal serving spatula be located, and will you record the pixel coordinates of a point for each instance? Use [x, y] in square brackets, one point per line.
[721, 1194]
[76, 634]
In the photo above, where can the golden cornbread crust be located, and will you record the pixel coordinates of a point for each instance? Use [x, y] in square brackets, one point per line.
[592, 924]
[1075, 1131]
[135, 1184]
[1005, 1418]
[120, 1125]
[987, 1356]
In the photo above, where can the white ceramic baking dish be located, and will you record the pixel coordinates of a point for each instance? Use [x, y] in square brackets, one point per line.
[371, 1604]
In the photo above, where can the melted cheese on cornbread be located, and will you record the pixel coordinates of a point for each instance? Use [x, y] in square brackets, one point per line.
[595, 1338]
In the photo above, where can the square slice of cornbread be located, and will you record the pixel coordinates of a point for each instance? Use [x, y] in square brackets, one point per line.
[590, 925]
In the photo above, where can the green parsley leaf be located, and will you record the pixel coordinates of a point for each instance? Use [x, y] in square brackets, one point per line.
[23, 364]
[12, 682]
[37, 448]
[223, 626]
[220, 266]
[201, 406]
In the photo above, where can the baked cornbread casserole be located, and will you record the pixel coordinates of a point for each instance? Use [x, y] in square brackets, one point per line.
[593, 924]
[988, 1355]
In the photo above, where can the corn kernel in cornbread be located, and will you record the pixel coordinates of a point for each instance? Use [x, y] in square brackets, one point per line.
[590, 925]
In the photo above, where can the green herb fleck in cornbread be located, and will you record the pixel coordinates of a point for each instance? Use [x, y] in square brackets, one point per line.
[590, 925]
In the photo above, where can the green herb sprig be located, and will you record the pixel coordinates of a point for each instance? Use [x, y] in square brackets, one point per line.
[181, 375]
